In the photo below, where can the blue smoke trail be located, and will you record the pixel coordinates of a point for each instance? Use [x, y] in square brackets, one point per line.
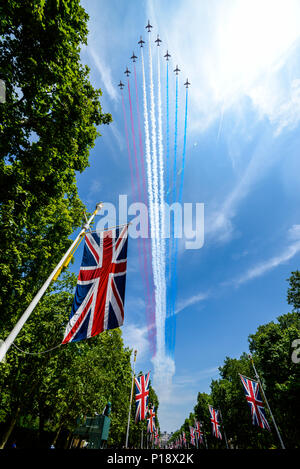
[168, 260]
[171, 329]
[184, 148]
[174, 289]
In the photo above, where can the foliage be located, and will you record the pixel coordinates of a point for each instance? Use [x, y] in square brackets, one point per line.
[73, 380]
[271, 348]
[48, 126]
[293, 294]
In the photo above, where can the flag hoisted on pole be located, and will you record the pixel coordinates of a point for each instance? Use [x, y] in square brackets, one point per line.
[255, 402]
[198, 432]
[192, 434]
[4, 347]
[214, 417]
[100, 292]
[151, 420]
[264, 396]
[141, 396]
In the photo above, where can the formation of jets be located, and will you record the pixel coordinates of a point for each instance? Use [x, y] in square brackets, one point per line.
[167, 55]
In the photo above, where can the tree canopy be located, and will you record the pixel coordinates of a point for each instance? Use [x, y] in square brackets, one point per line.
[48, 125]
[271, 348]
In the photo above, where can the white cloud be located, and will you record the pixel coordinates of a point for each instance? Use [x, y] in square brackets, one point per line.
[227, 51]
[294, 233]
[265, 266]
[136, 338]
[192, 300]
[105, 73]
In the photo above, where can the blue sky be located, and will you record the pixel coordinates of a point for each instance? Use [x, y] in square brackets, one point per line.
[242, 162]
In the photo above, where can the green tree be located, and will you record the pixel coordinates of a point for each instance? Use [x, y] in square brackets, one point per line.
[293, 293]
[47, 127]
[272, 349]
[55, 388]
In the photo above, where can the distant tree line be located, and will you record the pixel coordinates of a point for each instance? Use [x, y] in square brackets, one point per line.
[272, 350]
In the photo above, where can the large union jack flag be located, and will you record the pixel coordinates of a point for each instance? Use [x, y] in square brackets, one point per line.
[214, 417]
[151, 420]
[255, 402]
[99, 297]
[141, 396]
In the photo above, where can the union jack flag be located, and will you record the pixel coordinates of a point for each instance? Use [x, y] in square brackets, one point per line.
[214, 417]
[151, 420]
[192, 434]
[255, 402]
[198, 431]
[156, 437]
[183, 438]
[141, 396]
[99, 297]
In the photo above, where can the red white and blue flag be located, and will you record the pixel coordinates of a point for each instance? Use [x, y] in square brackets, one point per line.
[214, 417]
[156, 437]
[141, 396]
[255, 402]
[151, 420]
[192, 434]
[198, 431]
[183, 438]
[99, 297]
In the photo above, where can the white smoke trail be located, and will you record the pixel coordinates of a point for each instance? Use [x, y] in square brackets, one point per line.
[161, 199]
[150, 191]
[160, 323]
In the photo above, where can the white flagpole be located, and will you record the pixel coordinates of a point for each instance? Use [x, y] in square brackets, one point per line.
[227, 447]
[129, 411]
[4, 347]
[264, 396]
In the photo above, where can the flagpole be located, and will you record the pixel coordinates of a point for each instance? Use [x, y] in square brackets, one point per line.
[224, 429]
[264, 396]
[129, 411]
[6, 344]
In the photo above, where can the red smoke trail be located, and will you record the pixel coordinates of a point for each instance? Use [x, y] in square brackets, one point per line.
[134, 146]
[140, 139]
[145, 271]
[129, 152]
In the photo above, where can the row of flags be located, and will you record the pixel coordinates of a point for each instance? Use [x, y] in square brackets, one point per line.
[99, 305]
[144, 410]
[258, 416]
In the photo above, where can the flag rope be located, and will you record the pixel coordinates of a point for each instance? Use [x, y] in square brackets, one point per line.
[36, 353]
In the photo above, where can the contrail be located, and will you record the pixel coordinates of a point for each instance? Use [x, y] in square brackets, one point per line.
[168, 179]
[161, 200]
[143, 259]
[174, 241]
[128, 149]
[173, 320]
[150, 185]
[147, 248]
[160, 324]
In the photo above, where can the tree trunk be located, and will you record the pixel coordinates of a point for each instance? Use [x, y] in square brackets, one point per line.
[11, 426]
[67, 442]
[57, 435]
